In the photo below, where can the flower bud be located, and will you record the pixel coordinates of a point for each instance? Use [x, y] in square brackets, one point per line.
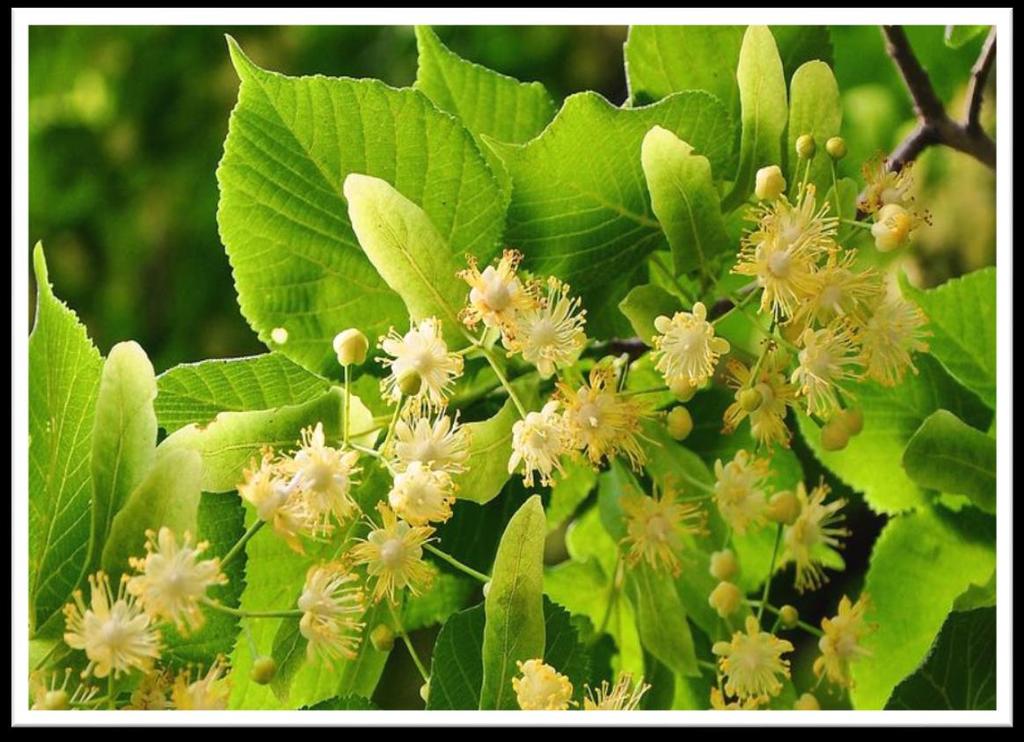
[279, 335]
[382, 638]
[784, 508]
[834, 435]
[769, 183]
[425, 691]
[487, 588]
[853, 420]
[263, 670]
[681, 387]
[725, 599]
[892, 230]
[750, 400]
[789, 615]
[723, 565]
[409, 382]
[351, 346]
[56, 700]
[836, 148]
[806, 146]
[807, 702]
[679, 423]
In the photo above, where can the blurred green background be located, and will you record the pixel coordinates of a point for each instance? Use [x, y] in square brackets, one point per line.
[126, 126]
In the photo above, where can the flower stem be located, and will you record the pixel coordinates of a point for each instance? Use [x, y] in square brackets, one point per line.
[391, 425]
[771, 571]
[489, 355]
[251, 614]
[456, 563]
[652, 390]
[348, 404]
[613, 594]
[835, 189]
[800, 624]
[408, 644]
[240, 544]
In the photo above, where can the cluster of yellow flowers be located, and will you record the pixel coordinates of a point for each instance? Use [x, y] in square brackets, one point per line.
[119, 631]
[831, 324]
[540, 687]
[843, 323]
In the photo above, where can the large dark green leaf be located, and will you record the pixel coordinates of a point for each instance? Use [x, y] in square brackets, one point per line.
[960, 672]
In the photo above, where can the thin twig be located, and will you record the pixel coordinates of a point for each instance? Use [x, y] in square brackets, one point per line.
[934, 126]
[976, 85]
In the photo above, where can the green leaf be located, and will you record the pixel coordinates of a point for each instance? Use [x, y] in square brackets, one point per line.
[490, 446]
[584, 588]
[231, 442]
[815, 109]
[661, 60]
[799, 44]
[408, 252]
[684, 199]
[563, 649]
[448, 593]
[65, 368]
[919, 565]
[962, 319]
[514, 629]
[168, 496]
[957, 36]
[960, 673]
[282, 218]
[645, 303]
[485, 101]
[872, 461]
[661, 619]
[579, 207]
[197, 392]
[456, 669]
[220, 523]
[763, 110]
[977, 596]
[343, 703]
[947, 455]
[569, 491]
[123, 438]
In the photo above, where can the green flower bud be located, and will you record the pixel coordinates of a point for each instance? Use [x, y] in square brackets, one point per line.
[789, 615]
[834, 435]
[679, 423]
[807, 702]
[853, 420]
[56, 700]
[725, 599]
[681, 387]
[263, 670]
[409, 382]
[806, 146]
[769, 183]
[836, 148]
[351, 346]
[750, 400]
[723, 565]
[783, 507]
[382, 638]
[425, 691]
